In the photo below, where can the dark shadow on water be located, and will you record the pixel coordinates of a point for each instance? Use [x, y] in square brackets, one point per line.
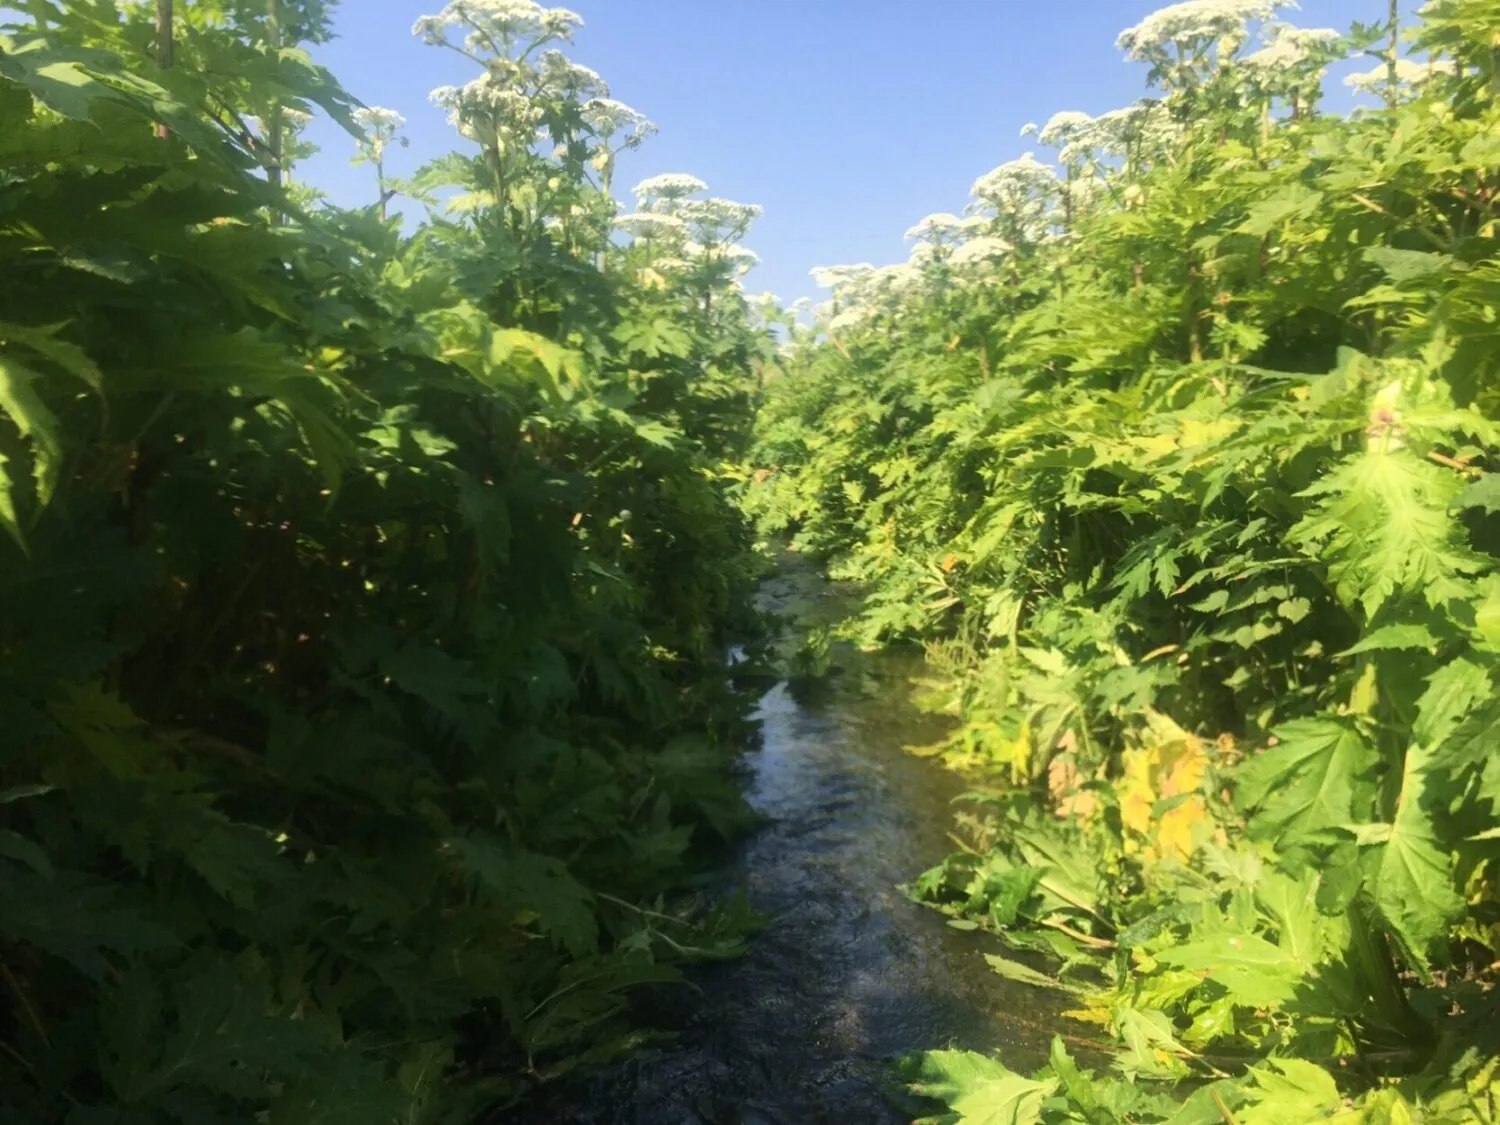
[848, 974]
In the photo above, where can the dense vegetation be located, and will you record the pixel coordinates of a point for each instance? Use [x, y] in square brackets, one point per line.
[363, 589]
[1181, 455]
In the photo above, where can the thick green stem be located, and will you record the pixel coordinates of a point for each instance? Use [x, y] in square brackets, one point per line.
[1392, 91]
[164, 36]
[275, 136]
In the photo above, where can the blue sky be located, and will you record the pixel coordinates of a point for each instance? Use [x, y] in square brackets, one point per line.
[847, 120]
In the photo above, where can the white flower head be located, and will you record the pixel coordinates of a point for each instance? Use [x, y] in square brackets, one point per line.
[1075, 135]
[489, 104]
[1289, 46]
[836, 277]
[649, 224]
[670, 185]
[1015, 177]
[375, 119]
[498, 21]
[560, 75]
[1021, 194]
[1408, 73]
[717, 220]
[606, 117]
[982, 249]
[938, 229]
[740, 260]
[1193, 23]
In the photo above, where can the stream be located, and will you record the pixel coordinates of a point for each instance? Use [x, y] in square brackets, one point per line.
[848, 973]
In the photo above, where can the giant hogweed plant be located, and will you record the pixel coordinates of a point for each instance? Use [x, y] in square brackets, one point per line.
[1180, 454]
[361, 605]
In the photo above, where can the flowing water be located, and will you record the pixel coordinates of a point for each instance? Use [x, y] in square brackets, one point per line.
[848, 973]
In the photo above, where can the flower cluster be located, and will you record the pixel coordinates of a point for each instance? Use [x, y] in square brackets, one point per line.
[1193, 23]
[667, 187]
[943, 229]
[650, 224]
[1408, 73]
[863, 291]
[497, 23]
[985, 248]
[1287, 47]
[486, 106]
[1021, 195]
[380, 127]
[692, 233]
[607, 117]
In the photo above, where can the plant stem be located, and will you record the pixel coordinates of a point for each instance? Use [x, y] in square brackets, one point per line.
[164, 36]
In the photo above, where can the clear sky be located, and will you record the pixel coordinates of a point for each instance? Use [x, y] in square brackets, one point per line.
[847, 120]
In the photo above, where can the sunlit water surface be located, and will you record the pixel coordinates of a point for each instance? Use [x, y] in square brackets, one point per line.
[848, 973]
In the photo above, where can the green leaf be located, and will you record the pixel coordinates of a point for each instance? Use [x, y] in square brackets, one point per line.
[541, 886]
[15, 846]
[1151, 1047]
[1403, 635]
[20, 401]
[1407, 265]
[1079, 1090]
[1287, 1090]
[1025, 974]
[1383, 528]
[227, 1039]
[76, 918]
[1255, 972]
[44, 341]
[1452, 692]
[1483, 493]
[981, 1090]
[1409, 873]
[1318, 777]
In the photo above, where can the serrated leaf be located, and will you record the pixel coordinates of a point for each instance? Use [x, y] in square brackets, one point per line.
[1318, 777]
[1408, 872]
[1382, 526]
[1407, 265]
[1286, 1090]
[1253, 970]
[1025, 974]
[226, 1039]
[1483, 493]
[539, 884]
[981, 1090]
[1396, 636]
[75, 918]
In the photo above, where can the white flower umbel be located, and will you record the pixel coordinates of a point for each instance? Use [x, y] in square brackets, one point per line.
[1408, 73]
[985, 248]
[1187, 42]
[607, 117]
[380, 127]
[1288, 47]
[561, 76]
[1061, 126]
[503, 21]
[649, 224]
[940, 229]
[1192, 22]
[669, 185]
[1075, 135]
[837, 277]
[1021, 195]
